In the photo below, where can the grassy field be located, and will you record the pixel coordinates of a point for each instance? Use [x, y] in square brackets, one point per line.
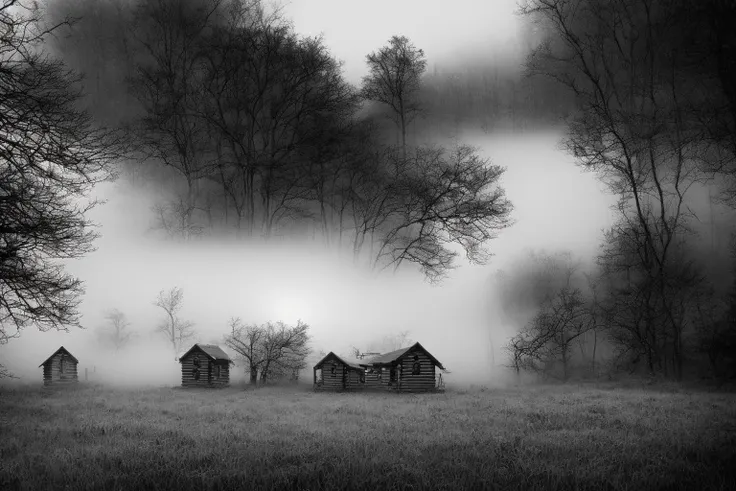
[278, 438]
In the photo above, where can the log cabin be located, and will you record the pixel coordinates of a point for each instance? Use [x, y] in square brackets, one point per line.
[205, 365]
[411, 369]
[60, 368]
[336, 374]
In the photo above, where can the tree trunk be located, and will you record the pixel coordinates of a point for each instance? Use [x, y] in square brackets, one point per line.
[173, 336]
[403, 136]
[323, 214]
[251, 201]
[339, 237]
[189, 209]
[595, 345]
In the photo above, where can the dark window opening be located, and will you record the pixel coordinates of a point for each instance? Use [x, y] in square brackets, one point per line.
[218, 371]
[61, 364]
[362, 376]
[333, 370]
[416, 368]
[392, 376]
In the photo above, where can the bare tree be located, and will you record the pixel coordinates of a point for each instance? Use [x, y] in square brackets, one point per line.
[167, 86]
[547, 341]
[173, 217]
[272, 99]
[633, 126]
[177, 330]
[247, 342]
[275, 350]
[51, 155]
[285, 349]
[444, 197]
[117, 332]
[395, 76]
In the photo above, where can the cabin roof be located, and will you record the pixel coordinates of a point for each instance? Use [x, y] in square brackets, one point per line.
[331, 354]
[213, 351]
[56, 353]
[394, 356]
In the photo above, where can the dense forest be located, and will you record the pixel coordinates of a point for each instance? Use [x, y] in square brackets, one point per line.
[251, 131]
[654, 118]
[246, 129]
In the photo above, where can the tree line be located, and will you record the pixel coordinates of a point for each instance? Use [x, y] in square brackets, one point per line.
[263, 138]
[654, 119]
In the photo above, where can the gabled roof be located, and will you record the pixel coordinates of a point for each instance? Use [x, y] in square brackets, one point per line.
[56, 353]
[212, 351]
[394, 356]
[341, 360]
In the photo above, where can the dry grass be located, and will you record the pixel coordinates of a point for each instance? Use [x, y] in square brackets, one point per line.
[537, 438]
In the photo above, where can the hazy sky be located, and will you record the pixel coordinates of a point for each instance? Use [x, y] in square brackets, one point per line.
[442, 29]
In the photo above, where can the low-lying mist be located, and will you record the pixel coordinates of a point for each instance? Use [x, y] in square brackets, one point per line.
[346, 305]
[557, 207]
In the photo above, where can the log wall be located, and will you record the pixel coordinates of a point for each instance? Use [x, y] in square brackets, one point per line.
[223, 380]
[333, 381]
[344, 378]
[373, 381]
[424, 381]
[52, 370]
[352, 380]
[207, 372]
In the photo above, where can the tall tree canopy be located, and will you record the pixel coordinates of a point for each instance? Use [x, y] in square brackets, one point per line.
[253, 132]
[51, 154]
[394, 79]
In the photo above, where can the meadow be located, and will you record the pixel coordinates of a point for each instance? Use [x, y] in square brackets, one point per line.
[548, 437]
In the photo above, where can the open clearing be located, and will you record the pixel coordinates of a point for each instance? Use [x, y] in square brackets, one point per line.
[285, 438]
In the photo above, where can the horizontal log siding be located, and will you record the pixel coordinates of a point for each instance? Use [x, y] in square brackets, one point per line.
[207, 372]
[352, 380]
[423, 382]
[333, 381]
[224, 379]
[371, 380]
[52, 374]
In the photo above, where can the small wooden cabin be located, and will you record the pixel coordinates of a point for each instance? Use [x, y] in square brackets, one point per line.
[60, 368]
[205, 365]
[335, 373]
[411, 369]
